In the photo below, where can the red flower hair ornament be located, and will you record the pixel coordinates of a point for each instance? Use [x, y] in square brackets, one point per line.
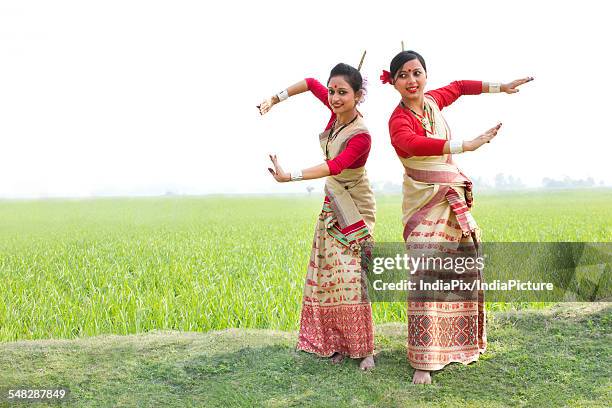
[385, 77]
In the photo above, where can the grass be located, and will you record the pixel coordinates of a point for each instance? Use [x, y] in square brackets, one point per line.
[546, 358]
[74, 268]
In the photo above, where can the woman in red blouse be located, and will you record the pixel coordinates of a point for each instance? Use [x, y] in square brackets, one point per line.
[436, 212]
[336, 317]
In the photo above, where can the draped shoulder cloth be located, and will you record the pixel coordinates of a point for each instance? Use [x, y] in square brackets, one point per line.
[432, 180]
[349, 203]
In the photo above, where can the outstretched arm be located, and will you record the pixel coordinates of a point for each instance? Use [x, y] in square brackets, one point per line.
[309, 84]
[448, 94]
[294, 89]
[355, 152]
[315, 172]
[508, 88]
[406, 141]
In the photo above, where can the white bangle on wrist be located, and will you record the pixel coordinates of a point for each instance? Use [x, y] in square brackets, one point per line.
[296, 175]
[282, 95]
[494, 87]
[456, 146]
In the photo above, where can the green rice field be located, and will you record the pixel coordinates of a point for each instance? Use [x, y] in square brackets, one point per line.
[72, 268]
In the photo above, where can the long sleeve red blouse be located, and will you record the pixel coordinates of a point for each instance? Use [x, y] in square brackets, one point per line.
[408, 136]
[356, 152]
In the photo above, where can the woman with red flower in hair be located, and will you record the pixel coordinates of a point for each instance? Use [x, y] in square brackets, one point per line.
[442, 327]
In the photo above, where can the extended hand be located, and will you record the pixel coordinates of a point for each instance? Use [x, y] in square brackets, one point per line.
[486, 137]
[267, 104]
[278, 173]
[510, 87]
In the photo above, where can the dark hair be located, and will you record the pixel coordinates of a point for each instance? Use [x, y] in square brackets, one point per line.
[403, 57]
[350, 74]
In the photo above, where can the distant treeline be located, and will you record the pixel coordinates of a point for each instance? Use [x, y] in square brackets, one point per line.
[506, 182]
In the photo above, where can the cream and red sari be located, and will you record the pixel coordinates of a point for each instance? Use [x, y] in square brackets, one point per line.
[436, 214]
[336, 313]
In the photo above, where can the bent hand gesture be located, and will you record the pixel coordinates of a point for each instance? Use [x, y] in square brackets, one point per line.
[267, 104]
[510, 87]
[278, 173]
[486, 137]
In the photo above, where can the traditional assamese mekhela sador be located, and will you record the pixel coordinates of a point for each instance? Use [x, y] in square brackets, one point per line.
[437, 198]
[437, 220]
[336, 316]
[336, 313]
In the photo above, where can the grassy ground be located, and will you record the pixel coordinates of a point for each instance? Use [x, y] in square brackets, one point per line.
[553, 357]
[73, 268]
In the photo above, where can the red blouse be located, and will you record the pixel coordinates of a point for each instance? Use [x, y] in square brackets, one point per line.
[356, 152]
[408, 136]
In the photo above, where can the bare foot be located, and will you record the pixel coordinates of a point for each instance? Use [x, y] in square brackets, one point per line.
[367, 363]
[337, 358]
[421, 377]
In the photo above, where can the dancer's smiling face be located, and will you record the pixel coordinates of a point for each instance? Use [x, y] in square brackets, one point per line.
[340, 95]
[410, 80]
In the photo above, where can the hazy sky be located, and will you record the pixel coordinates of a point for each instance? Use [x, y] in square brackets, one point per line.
[143, 97]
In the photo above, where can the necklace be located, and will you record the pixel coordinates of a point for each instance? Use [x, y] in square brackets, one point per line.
[426, 119]
[331, 135]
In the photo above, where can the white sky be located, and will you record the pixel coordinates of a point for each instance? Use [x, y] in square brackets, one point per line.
[143, 97]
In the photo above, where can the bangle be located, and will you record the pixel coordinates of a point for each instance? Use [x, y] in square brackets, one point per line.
[456, 146]
[296, 175]
[494, 87]
[282, 95]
